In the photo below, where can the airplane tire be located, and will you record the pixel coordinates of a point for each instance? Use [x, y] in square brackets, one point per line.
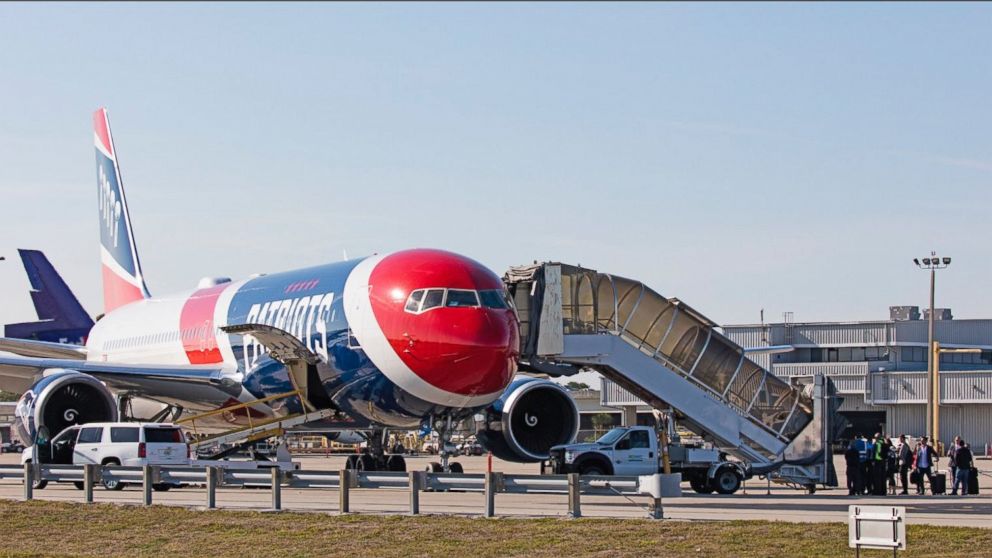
[434, 467]
[161, 487]
[456, 468]
[365, 463]
[396, 463]
[351, 462]
[79, 485]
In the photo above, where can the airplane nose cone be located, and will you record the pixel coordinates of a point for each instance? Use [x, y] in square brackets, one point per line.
[461, 355]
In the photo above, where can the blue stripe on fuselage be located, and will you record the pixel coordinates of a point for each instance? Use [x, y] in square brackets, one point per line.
[308, 303]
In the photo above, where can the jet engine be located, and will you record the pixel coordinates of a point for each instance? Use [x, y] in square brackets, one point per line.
[60, 399]
[531, 416]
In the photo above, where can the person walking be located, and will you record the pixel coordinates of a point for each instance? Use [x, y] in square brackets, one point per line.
[924, 461]
[905, 456]
[951, 461]
[964, 461]
[852, 457]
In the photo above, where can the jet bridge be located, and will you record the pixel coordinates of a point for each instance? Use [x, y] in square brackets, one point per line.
[671, 356]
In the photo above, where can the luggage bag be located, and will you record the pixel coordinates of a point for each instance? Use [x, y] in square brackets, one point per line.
[939, 483]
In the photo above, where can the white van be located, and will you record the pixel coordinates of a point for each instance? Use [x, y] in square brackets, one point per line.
[131, 444]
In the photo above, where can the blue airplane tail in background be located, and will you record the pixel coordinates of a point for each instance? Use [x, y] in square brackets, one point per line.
[62, 318]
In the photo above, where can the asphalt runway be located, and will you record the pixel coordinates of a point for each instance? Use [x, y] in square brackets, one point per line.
[756, 501]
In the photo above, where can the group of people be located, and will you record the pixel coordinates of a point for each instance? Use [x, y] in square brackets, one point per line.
[872, 465]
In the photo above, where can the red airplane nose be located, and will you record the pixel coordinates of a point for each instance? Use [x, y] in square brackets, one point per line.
[456, 344]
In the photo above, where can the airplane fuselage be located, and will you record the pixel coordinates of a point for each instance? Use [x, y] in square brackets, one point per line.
[386, 355]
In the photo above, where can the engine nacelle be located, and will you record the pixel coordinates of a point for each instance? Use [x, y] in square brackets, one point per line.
[531, 416]
[59, 400]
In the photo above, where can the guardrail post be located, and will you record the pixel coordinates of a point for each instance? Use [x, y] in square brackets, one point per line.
[89, 475]
[490, 494]
[276, 489]
[28, 481]
[415, 485]
[211, 487]
[147, 478]
[655, 511]
[344, 486]
[574, 507]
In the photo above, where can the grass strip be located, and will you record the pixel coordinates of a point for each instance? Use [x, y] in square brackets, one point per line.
[40, 528]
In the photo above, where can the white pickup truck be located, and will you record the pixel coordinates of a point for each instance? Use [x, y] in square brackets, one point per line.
[634, 450]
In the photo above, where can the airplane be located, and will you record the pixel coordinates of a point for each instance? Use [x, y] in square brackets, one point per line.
[390, 341]
[62, 318]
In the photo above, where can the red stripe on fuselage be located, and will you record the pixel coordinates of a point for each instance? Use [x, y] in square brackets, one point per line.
[117, 291]
[100, 127]
[196, 326]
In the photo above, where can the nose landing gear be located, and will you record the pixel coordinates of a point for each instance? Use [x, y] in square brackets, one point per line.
[444, 430]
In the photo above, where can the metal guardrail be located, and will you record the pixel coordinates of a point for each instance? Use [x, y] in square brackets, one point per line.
[344, 481]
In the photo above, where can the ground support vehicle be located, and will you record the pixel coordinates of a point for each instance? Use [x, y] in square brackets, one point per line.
[130, 444]
[635, 450]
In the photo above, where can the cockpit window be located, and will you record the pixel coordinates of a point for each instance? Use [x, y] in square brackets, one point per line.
[460, 298]
[433, 299]
[493, 299]
[422, 300]
[413, 303]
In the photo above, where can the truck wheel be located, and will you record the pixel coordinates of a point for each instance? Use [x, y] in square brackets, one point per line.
[726, 481]
[112, 484]
[37, 484]
[591, 469]
[701, 485]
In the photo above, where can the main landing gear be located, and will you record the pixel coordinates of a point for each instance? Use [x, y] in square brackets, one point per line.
[444, 429]
[374, 457]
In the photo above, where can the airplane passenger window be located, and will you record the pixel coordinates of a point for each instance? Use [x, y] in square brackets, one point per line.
[458, 298]
[433, 299]
[493, 299]
[413, 303]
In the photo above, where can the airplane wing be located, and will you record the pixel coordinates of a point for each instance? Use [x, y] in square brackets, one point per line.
[209, 387]
[42, 349]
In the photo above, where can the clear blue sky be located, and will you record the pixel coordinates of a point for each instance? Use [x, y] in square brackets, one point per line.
[786, 157]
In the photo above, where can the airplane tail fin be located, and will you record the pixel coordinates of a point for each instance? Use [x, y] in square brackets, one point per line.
[61, 316]
[123, 281]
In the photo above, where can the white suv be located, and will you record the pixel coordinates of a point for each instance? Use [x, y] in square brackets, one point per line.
[130, 444]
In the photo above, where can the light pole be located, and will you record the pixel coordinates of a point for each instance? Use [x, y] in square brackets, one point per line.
[933, 263]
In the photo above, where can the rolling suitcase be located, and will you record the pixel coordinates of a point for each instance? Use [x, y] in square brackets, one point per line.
[973, 481]
[938, 485]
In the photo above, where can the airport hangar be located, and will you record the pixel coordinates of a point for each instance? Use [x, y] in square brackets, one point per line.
[879, 368]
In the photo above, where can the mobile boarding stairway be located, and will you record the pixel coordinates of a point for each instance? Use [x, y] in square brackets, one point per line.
[670, 356]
